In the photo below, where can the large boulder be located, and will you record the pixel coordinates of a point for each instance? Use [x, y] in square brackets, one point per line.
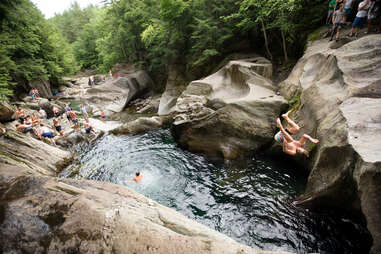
[6, 111]
[30, 155]
[115, 94]
[142, 124]
[337, 98]
[230, 113]
[176, 84]
[43, 88]
[53, 215]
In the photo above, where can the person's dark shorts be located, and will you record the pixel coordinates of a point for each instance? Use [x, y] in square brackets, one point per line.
[347, 11]
[359, 22]
[88, 130]
[47, 135]
[68, 117]
[337, 26]
[75, 120]
[59, 128]
[22, 119]
[28, 129]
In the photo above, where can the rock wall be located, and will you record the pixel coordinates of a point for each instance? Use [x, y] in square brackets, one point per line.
[337, 95]
[40, 214]
[230, 113]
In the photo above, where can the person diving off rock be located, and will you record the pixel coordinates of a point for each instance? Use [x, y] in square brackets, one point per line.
[291, 146]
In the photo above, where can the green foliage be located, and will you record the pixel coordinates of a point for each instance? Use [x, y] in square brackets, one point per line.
[30, 48]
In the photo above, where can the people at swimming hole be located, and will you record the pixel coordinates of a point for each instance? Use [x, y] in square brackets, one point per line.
[290, 145]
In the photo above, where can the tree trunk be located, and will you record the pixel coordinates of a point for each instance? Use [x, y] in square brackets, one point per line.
[284, 46]
[266, 42]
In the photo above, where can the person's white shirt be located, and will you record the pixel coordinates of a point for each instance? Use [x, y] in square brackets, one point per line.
[362, 13]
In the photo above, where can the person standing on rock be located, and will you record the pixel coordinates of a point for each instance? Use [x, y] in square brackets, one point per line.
[67, 110]
[331, 7]
[348, 9]
[360, 18]
[58, 126]
[84, 112]
[75, 120]
[110, 73]
[337, 20]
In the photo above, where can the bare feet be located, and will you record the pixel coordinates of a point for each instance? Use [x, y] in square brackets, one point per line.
[286, 115]
[314, 140]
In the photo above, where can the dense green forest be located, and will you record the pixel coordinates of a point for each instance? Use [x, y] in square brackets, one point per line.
[153, 34]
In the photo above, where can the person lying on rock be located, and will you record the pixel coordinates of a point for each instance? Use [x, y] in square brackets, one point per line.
[20, 114]
[27, 128]
[46, 133]
[291, 146]
[57, 125]
[137, 177]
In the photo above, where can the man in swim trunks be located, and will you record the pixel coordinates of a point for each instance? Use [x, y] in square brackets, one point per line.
[45, 132]
[137, 177]
[75, 120]
[27, 128]
[67, 110]
[58, 126]
[291, 146]
[20, 114]
[88, 128]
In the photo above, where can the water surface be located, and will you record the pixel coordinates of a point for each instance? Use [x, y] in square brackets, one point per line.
[250, 202]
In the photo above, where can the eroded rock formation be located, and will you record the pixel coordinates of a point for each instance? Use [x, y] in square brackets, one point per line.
[337, 95]
[231, 112]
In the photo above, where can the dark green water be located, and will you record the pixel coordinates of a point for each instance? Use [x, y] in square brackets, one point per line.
[251, 203]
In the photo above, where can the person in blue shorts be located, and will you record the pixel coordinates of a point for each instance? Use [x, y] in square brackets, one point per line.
[360, 19]
[46, 133]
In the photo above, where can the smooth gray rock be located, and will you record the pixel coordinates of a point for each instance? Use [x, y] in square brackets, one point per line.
[6, 111]
[230, 113]
[338, 99]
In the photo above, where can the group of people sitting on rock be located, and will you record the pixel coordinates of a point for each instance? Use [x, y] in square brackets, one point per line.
[340, 11]
[34, 93]
[29, 123]
[289, 144]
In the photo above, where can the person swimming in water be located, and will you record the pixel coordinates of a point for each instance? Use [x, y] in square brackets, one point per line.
[138, 177]
[291, 146]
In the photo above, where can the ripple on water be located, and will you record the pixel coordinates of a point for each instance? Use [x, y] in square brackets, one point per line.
[248, 203]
